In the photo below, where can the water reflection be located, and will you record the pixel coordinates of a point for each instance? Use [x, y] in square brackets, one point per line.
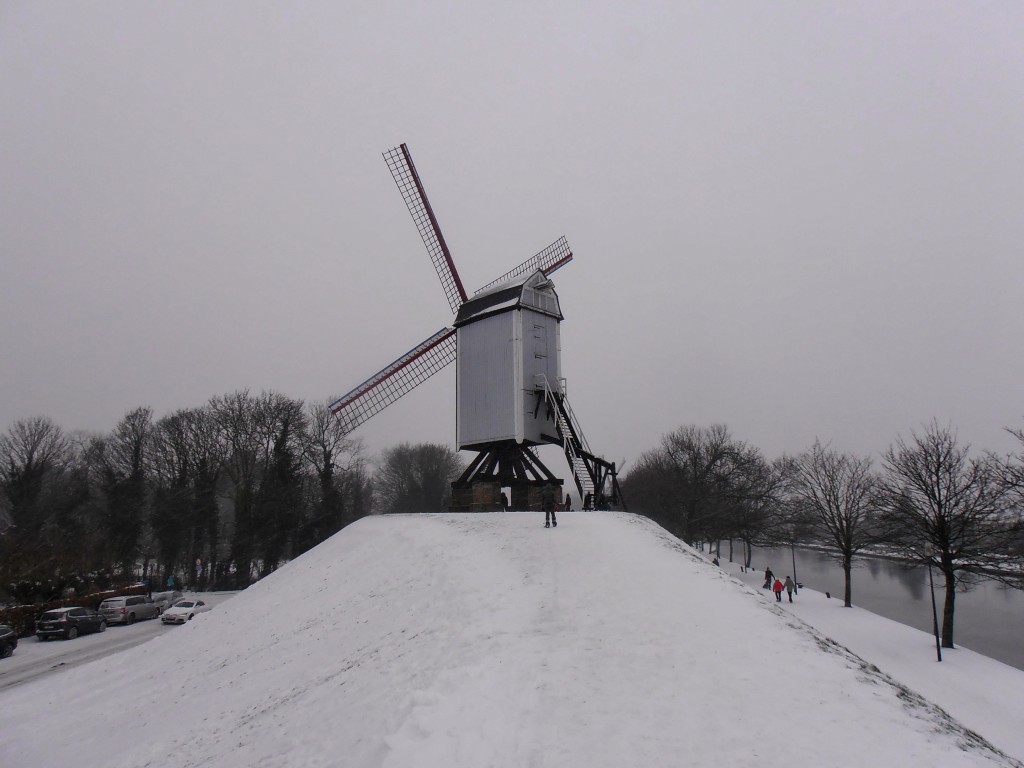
[912, 579]
[874, 566]
[989, 617]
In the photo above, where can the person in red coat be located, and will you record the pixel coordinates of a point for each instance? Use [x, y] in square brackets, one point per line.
[777, 588]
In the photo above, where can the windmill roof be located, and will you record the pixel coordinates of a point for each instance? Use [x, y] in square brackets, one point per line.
[532, 291]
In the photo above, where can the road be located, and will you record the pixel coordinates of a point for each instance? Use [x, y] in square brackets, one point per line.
[33, 659]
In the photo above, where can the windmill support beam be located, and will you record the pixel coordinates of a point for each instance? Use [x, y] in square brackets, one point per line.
[502, 465]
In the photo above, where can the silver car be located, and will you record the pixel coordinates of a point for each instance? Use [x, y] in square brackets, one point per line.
[128, 609]
[165, 600]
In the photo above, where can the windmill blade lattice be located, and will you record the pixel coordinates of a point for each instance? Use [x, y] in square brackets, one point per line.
[547, 261]
[404, 172]
[388, 385]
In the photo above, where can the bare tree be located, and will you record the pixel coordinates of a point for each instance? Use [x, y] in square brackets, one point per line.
[759, 501]
[1013, 468]
[840, 492]
[336, 462]
[246, 449]
[124, 479]
[33, 454]
[945, 509]
[30, 450]
[171, 462]
[702, 484]
[280, 500]
[187, 458]
[416, 478]
[652, 489]
[702, 461]
[77, 539]
[1013, 482]
[261, 434]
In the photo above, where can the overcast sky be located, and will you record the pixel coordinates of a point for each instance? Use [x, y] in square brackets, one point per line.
[799, 219]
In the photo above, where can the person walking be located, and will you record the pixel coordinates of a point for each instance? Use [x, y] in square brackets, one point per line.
[777, 588]
[790, 586]
[768, 576]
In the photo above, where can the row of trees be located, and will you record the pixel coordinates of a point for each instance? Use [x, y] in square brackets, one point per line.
[930, 502]
[224, 493]
[216, 495]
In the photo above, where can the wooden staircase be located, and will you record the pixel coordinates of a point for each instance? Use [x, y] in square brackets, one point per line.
[594, 476]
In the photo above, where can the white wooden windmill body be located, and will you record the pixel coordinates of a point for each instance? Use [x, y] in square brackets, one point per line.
[507, 338]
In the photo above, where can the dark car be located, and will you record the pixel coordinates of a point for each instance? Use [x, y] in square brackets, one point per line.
[8, 641]
[69, 623]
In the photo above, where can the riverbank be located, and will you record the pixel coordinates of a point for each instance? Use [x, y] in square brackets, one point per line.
[989, 616]
[908, 654]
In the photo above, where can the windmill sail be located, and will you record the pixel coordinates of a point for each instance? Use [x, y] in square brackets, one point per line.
[401, 377]
[547, 261]
[404, 172]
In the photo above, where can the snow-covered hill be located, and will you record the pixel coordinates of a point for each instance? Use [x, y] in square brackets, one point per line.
[486, 640]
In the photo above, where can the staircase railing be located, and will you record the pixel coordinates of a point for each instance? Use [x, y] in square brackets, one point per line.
[574, 443]
[594, 476]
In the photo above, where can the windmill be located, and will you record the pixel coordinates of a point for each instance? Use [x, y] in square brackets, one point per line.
[510, 392]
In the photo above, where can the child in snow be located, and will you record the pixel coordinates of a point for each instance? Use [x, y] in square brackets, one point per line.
[777, 587]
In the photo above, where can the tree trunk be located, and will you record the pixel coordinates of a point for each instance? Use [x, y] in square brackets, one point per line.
[947, 610]
[847, 581]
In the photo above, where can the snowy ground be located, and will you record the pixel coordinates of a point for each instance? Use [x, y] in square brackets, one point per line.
[985, 695]
[487, 640]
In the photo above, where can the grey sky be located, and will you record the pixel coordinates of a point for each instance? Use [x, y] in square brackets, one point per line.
[800, 219]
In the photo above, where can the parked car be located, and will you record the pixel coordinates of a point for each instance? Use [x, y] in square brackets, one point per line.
[128, 609]
[183, 611]
[69, 623]
[165, 600]
[8, 641]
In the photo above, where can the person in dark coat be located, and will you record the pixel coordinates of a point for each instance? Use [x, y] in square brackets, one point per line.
[790, 586]
[547, 501]
[777, 587]
[768, 576]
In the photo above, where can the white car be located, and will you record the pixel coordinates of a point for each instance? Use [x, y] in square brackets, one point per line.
[183, 610]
